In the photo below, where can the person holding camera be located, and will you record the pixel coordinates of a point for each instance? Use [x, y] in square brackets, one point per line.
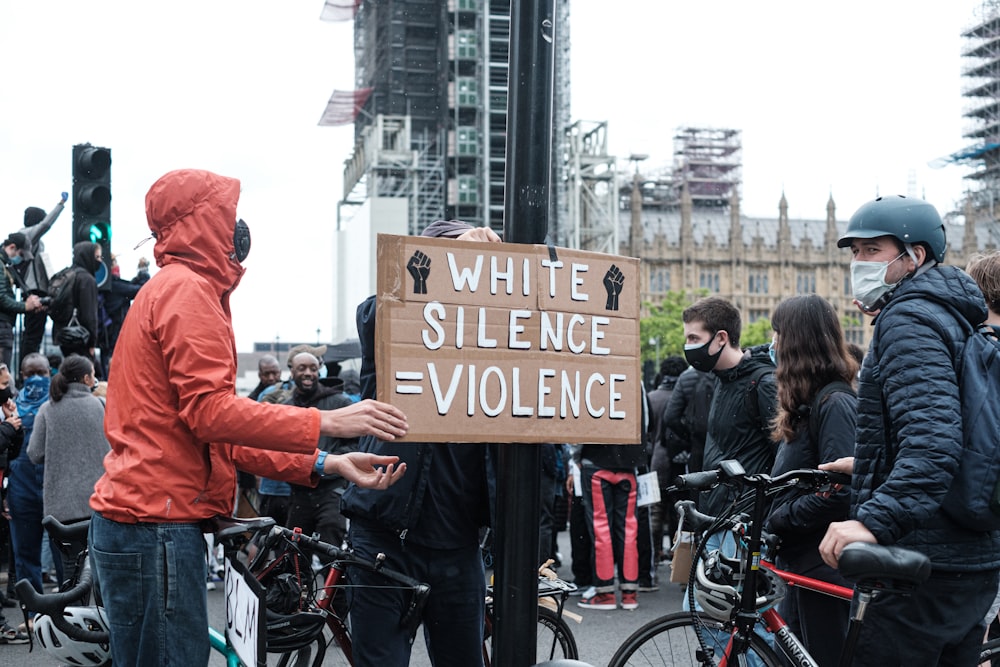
[10, 307]
[87, 259]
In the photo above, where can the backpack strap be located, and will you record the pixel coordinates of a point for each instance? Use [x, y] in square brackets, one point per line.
[752, 403]
[821, 396]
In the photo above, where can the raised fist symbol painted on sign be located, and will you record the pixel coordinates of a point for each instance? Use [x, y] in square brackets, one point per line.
[614, 279]
[419, 267]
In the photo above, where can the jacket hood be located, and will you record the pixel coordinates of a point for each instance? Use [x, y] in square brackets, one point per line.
[192, 214]
[754, 358]
[948, 285]
[83, 256]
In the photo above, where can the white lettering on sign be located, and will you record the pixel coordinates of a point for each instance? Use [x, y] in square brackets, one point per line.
[507, 397]
[554, 329]
[496, 275]
[552, 266]
[576, 294]
[460, 278]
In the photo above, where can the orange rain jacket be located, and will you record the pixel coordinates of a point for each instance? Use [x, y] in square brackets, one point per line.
[172, 406]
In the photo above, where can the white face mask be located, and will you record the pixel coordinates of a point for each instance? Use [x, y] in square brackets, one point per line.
[868, 282]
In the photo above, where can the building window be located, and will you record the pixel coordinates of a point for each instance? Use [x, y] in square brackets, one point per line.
[805, 282]
[708, 279]
[468, 190]
[759, 315]
[659, 280]
[757, 282]
[468, 141]
[466, 45]
[468, 5]
[468, 91]
[847, 284]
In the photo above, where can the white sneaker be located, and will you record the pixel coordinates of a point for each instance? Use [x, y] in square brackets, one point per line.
[210, 585]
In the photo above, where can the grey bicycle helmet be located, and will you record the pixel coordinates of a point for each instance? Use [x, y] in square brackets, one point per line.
[71, 651]
[716, 586]
[909, 219]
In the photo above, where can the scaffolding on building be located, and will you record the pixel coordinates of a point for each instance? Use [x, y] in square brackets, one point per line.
[389, 162]
[443, 66]
[983, 109]
[593, 184]
[709, 162]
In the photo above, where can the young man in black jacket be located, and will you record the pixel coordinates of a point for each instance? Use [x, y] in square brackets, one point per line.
[745, 398]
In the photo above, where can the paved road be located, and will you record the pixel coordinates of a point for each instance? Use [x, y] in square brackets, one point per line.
[598, 634]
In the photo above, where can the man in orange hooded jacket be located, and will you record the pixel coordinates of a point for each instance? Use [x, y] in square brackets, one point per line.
[178, 431]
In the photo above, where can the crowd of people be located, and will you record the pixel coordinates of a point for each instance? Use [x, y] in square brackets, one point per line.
[317, 451]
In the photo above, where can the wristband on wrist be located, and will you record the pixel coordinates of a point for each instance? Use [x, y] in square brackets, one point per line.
[320, 461]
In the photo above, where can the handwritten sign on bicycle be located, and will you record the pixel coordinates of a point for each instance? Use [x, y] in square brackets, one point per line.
[501, 342]
[245, 621]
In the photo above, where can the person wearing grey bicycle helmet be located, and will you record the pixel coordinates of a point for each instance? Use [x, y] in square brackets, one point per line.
[909, 438]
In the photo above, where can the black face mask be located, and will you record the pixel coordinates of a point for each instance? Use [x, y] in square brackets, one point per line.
[241, 241]
[699, 357]
[6, 394]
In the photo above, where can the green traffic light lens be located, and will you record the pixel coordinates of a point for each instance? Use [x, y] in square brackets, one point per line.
[100, 232]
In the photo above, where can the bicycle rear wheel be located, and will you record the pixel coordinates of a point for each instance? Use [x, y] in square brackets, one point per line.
[554, 636]
[673, 640]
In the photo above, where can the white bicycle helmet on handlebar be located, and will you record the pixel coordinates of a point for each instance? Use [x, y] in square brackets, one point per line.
[715, 588]
[71, 651]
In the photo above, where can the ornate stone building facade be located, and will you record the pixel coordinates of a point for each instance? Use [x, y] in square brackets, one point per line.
[757, 262]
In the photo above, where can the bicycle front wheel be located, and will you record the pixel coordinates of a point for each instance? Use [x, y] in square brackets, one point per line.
[673, 640]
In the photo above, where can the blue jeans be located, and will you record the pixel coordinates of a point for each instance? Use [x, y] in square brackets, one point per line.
[24, 497]
[152, 578]
[453, 618]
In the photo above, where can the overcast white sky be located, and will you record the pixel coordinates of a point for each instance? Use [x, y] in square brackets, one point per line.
[851, 98]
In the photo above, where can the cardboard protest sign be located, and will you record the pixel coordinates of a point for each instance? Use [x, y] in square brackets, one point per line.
[501, 342]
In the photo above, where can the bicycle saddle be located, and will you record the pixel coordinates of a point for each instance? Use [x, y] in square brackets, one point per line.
[227, 528]
[880, 567]
[74, 532]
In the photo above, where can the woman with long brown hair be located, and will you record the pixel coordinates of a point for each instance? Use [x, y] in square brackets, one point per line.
[817, 411]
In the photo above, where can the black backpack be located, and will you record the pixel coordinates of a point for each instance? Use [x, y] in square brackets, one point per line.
[60, 307]
[973, 501]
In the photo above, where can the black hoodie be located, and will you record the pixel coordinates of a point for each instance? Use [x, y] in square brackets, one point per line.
[84, 290]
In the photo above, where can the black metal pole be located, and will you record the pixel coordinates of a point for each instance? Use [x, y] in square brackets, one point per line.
[526, 210]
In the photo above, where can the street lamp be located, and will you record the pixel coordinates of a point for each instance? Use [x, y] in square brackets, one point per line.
[655, 340]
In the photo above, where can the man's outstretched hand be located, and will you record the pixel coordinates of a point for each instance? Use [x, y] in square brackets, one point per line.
[368, 470]
[367, 417]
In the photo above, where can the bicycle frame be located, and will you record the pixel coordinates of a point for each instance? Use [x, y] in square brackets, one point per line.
[324, 601]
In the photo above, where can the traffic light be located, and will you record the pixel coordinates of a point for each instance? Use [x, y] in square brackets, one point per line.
[92, 202]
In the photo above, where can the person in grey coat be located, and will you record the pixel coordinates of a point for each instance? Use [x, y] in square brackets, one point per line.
[68, 438]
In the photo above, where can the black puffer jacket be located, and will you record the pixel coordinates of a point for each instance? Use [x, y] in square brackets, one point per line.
[909, 422]
[739, 422]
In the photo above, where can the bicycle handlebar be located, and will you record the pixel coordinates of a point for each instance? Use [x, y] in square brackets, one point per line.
[54, 604]
[732, 472]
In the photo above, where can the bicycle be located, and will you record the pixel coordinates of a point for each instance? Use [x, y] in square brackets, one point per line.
[284, 564]
[739, 593]
[78, 634]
